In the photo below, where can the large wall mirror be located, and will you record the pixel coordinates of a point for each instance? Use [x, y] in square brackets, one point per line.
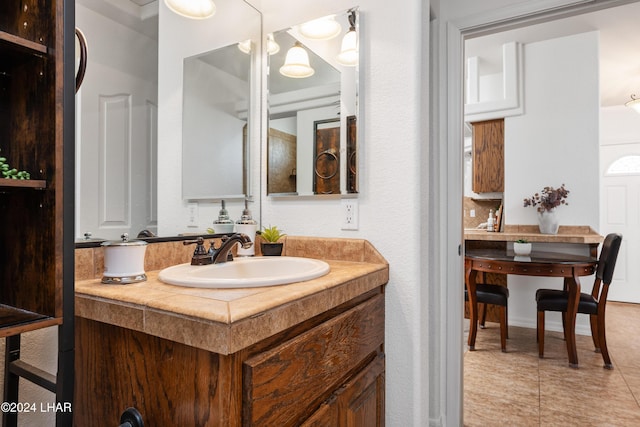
[216, 94]
[119, 153]
[313, 107]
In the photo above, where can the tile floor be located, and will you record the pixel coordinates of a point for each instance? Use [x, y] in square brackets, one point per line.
[519, 389]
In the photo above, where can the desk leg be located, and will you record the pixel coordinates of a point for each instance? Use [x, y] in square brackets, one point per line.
[470, 283]
[570, 319]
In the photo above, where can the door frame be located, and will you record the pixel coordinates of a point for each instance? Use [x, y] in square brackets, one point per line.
[447, 84]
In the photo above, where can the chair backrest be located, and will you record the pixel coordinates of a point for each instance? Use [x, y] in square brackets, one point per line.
[608, 257]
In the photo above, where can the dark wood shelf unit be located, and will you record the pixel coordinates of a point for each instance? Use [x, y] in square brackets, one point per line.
[37, 112]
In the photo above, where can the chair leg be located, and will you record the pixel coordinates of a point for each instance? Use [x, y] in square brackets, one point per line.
[506, 319]
[602, 339]
[483, 315]
[503, 328]
[593, 320]
[540, 327]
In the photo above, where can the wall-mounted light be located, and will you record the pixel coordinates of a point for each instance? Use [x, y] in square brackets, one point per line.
[272, 46]
[296, 64]
[194, 9]
[634, 103]
[324, 28]
[349, 52]
[245, 46]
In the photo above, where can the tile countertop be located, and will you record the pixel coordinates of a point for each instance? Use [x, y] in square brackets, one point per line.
[566, 234]
[227, 320]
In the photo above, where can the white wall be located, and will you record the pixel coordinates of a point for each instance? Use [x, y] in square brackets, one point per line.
[555, 141]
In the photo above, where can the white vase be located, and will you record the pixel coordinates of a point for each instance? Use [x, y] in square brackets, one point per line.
[548, 222]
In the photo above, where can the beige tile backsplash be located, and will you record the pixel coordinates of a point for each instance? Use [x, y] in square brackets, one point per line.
[90, 261]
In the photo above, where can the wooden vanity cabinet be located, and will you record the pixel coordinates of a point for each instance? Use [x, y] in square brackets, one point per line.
[488, 156]
[325, 371]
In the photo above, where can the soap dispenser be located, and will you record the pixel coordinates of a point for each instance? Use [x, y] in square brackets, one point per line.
[248, 226]
[223, 224]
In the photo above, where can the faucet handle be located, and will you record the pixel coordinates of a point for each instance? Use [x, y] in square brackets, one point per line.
[200, 255]
[200, 250]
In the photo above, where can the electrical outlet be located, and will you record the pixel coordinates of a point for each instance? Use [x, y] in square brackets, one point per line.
[350, 214]
[472, 213]
[192, 215]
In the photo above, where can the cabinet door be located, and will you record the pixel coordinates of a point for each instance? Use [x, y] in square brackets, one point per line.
[282, 385]
[358, 403]
[488, 156]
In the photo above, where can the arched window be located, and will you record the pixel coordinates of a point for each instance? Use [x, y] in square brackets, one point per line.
[627, 165]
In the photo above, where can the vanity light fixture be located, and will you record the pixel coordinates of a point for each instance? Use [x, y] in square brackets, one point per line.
[272, 46]
[349, 52]
[634, 103]
[324, 28]
[245, 46]
[194, 9]
[296, 64]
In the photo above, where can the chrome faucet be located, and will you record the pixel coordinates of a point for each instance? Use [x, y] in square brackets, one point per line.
[217, 255]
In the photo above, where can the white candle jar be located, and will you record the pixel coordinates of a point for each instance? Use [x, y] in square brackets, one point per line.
[124, 261]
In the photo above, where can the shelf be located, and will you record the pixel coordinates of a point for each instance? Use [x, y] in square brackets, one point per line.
[18, 43]
[15, 320]
[22, 183]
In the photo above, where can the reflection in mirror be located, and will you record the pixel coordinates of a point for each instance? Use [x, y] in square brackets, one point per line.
[216, 95]
[118, 148]
[116, 110]
[313, 108]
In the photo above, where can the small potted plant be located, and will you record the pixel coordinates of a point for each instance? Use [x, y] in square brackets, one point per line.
[522, 247]
[271, 246]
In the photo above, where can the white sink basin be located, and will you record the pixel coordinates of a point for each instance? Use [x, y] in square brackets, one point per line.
[245, 272]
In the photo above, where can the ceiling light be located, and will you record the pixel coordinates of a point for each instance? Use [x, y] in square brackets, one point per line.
[296, 64]
[245, 46]
[194, 9]
[321, 29]
[272, 46]
[349, 52]
[634, 103]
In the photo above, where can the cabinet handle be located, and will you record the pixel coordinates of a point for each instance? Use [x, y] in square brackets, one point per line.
[131, 418]
[82, 67]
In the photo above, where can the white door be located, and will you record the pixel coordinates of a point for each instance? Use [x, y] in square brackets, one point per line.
[620, 213]
[116, 130]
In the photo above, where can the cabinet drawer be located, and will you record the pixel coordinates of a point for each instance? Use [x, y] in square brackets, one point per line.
[282, 384]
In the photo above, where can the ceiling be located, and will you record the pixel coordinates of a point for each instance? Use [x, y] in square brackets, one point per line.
[138, 15]
[619, 29]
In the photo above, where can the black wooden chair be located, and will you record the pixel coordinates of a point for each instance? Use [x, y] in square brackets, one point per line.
[593, 304]
[496, 295]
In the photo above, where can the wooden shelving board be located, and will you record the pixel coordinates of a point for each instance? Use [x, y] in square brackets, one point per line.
[15, 320]
[22, 183]
[22, 44]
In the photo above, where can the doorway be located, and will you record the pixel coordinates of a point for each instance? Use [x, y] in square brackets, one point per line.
[457, 33]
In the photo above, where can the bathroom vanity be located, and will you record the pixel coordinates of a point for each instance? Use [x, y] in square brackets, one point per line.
[308, 353]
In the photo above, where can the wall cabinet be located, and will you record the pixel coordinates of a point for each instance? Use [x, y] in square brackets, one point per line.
[326, 371]
[36, 135]
[488, 156]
